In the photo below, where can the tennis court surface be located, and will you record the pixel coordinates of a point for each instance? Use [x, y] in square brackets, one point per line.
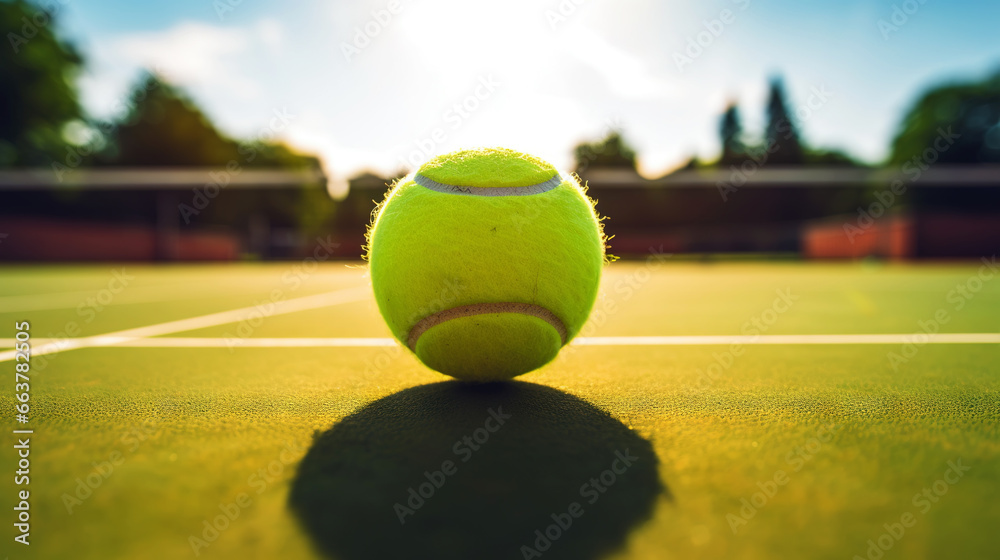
[710, 410]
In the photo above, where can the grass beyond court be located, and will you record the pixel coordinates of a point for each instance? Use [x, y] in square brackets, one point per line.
[758, 451]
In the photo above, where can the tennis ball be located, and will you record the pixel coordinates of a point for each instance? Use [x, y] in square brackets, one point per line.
[485, 262]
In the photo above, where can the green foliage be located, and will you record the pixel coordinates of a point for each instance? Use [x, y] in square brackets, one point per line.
[781, 131]
[731, 132]
[782, 144]
[970, 110]
[695, 163]
[315, 212]
[829, 158]
[164, 128]
[611, 152]
[38, 97]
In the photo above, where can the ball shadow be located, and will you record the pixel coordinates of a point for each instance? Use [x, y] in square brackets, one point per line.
[378, 484]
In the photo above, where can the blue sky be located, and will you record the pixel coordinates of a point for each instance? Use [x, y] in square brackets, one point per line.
[535, 75]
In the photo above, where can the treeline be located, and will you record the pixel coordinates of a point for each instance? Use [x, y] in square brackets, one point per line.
[43, 125]
[157, 125]
[968, 111]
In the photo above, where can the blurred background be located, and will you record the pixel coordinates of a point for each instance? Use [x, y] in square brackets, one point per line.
[233, 130]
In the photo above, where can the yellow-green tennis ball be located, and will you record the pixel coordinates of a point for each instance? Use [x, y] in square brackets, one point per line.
[486, 262]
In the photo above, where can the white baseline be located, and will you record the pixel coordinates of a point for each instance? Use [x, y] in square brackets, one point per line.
[777, 339]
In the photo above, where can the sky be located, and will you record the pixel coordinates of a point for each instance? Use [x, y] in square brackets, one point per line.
[384, 85]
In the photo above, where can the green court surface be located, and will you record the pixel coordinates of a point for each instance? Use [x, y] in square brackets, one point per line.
[757, 451]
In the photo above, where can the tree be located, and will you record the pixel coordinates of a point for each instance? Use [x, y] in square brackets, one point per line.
[782, 144]
[955, 123]
[731, 133]
[611, 152]
[38, 98]
[829, 158]
[781, 136]
[164, 128]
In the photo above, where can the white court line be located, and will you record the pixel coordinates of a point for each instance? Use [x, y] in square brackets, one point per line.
[212, 320]
[74, 300]
[918, 338]
[180, 342]
[786, 339]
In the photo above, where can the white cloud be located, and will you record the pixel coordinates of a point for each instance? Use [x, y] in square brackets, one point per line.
[557, 86]
[187, 53]
[271, 33]
[195, 55]
[627, 75]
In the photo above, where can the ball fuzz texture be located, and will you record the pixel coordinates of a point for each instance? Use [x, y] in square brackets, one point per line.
[486, 262]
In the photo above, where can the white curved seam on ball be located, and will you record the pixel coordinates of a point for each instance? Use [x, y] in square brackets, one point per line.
[528, 309]
[445, 188]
